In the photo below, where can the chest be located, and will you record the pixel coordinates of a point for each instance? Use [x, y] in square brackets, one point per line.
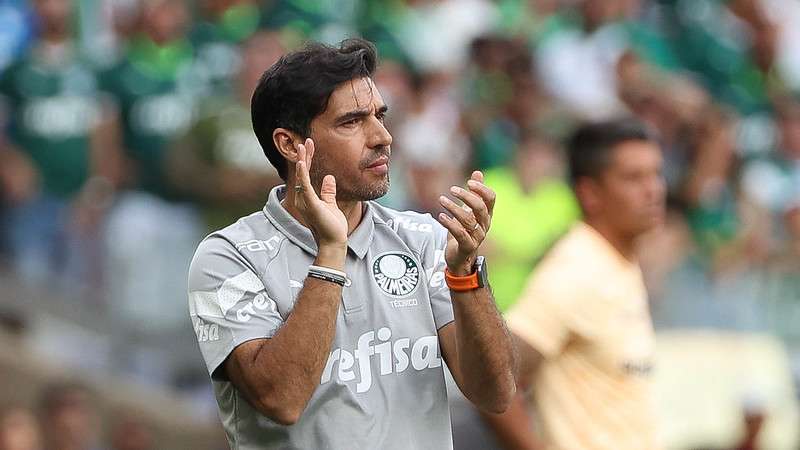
[157, 107]
[54, 104]
[617, 333]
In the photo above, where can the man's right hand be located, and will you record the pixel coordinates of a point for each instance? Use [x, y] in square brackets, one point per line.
[320, 213]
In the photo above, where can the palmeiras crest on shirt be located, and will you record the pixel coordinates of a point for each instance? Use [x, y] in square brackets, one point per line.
[396, 273]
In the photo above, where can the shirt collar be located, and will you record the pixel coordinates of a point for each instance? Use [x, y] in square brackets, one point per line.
[610, 250]
[358, 241]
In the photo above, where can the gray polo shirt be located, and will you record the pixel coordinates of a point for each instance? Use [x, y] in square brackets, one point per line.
[383, 386]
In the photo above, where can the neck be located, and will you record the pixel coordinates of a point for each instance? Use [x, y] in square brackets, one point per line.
[353, 210]
[624, 244]
[526, 181]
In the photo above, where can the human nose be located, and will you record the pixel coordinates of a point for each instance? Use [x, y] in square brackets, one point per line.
[379, 135]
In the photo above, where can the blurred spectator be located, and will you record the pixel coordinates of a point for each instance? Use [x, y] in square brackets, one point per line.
[729, 236]
[224, 25]
[156, 91]
[786, 16]
[57, 158]
[585, 341]
[431, 141]
[772, 181]
[668, 102]
[14, 31]
[504, 100]
[218, 161]
[396, 84]
[576, 61]
[431, 50]
[19, 429]
[324, 20]
[536, 206]
[731, 47]
[130, 433]
[69, 419]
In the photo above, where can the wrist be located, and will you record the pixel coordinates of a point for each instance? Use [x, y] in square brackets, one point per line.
[332, 256]
[462, 269]
[467, 278]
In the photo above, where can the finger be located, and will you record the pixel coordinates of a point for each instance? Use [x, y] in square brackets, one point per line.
[328, 190]
[477, 175]
[466, 218]
[475, 203]
[486, 193]
[303, 177]
[310, 148]
[465, 242]
[298, 177]
[301, 152]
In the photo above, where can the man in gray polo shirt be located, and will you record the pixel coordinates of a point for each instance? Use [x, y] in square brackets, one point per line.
[325, 319]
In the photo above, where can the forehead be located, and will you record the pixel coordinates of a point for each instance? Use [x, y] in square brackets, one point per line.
[634, 154]
[354, 94]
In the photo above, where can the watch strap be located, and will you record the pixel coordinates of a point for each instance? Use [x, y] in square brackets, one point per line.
[461, 284]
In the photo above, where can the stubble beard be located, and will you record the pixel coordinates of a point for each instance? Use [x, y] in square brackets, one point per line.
[346, 191]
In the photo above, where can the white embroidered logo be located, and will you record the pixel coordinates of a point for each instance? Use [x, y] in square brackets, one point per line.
[396, 273]
[393, 357]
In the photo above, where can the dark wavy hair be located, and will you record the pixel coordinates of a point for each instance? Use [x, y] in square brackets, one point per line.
[590, 146]
[296, 89]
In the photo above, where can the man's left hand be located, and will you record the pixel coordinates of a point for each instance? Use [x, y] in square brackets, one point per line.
[469, 223]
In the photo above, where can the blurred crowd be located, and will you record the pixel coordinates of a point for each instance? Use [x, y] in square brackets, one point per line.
[125, 137]
[66, 419]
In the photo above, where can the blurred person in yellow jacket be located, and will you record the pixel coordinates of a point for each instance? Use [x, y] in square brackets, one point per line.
[582, 325]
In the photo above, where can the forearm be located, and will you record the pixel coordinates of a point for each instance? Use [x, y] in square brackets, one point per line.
[513, 429]
[485, 352]
[290, 364]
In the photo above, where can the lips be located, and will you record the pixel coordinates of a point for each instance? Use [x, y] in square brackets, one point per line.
[383, 160]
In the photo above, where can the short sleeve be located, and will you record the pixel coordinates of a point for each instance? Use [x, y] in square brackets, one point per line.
[438, 291]
[228, 302]
[541, 317]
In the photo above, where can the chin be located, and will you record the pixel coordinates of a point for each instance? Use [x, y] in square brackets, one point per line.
[367, 192]
[651, 224]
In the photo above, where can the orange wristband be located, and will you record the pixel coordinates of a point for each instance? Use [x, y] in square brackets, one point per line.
[461, 284]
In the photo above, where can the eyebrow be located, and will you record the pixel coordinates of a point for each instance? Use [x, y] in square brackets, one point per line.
[359, 113]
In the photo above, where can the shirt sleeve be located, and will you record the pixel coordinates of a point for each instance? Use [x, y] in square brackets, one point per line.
[542, 316]
[228, 302]
[438, 291]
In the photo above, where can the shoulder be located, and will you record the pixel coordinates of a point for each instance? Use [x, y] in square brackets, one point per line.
[249, 235]
[571, 266]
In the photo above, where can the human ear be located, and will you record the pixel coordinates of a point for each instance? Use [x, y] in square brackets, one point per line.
[286, 142]
[586, 190]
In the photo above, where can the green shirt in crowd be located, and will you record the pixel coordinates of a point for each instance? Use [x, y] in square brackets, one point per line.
[156, 89]
[524, 226]
[52, 108]
[216, 43]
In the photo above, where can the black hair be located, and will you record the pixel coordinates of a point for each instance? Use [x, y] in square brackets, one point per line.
[590, 146]
[297, 88]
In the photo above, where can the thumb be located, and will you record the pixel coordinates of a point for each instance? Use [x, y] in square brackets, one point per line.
[328, 190]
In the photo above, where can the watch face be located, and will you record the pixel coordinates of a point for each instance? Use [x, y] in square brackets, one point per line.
[483, 272]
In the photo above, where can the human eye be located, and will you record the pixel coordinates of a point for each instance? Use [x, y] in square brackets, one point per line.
[350, 123]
